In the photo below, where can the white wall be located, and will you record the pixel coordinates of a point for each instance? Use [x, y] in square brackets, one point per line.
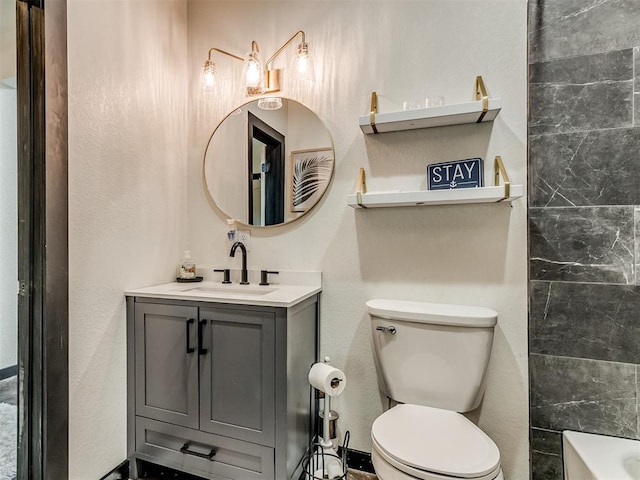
[127, 202]
[464, 254]
[7, 38]
[8, 224]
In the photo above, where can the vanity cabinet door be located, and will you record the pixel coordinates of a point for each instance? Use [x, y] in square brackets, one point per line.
[237, 374]
[166, 363]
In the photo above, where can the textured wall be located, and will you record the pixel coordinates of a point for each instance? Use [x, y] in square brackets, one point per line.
[470, 254]
[127, 201]
[7, 39]
[583, 223]
[8, 224]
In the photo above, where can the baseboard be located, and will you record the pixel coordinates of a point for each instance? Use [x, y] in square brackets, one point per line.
[8, 372]
[121, 472]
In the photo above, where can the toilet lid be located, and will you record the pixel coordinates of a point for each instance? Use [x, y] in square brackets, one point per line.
[435, 440]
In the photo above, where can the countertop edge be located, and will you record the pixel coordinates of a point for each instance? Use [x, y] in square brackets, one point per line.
[234, 301]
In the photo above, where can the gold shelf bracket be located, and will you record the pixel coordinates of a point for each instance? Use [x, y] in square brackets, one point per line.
[362, 187]
[373, 111]
[500, 171]
[481, 94]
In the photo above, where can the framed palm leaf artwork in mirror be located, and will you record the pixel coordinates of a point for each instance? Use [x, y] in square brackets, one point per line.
[311, 171]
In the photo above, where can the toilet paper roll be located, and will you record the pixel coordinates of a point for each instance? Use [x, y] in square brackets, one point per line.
[327, 379]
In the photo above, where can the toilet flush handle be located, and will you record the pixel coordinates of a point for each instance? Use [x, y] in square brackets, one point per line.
[391, 329]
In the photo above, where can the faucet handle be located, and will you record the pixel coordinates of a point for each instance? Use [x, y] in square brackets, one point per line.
[263, 276]
[227, 275]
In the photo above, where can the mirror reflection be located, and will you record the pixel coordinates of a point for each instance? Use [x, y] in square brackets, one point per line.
[268, 167]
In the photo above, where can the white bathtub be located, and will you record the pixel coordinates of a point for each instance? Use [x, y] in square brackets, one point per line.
[596, 457]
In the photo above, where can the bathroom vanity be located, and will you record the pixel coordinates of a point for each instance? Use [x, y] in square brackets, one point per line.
[217, 378]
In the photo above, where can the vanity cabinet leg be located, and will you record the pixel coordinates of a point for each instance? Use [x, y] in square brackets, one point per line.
[134, 468]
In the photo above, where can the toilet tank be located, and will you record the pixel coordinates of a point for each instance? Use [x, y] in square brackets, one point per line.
[435, 355]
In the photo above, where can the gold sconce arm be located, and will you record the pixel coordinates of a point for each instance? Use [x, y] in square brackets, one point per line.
[212, 49]
[273, 75]
[286, 44]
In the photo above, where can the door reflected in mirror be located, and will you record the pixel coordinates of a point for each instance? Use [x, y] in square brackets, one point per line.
[268, 167]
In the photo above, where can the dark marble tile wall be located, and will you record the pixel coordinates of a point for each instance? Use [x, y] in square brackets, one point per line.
[582, 244]
[584, 223]
[582, 93]
[595, 321]
[597, 167]
[567, 28]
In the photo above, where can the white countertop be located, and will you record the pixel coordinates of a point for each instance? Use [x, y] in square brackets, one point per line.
[273, 295]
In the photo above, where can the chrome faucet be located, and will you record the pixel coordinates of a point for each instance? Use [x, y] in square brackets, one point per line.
[235, 246]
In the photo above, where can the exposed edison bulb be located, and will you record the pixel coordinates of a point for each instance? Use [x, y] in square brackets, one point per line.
[253, 74]
[303, 63]
[302, 77]
[208, 78]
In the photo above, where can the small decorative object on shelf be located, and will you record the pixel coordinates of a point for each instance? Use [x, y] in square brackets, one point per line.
[499, 192]
[483, 109]
[468, 173]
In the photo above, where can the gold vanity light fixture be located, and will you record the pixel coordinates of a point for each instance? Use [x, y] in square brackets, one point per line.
[258, 80]
[209, 73]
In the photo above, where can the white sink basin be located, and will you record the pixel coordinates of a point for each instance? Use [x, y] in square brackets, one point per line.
[228, 290]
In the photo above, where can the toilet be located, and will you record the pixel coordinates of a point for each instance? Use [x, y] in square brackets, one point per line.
[431, 359]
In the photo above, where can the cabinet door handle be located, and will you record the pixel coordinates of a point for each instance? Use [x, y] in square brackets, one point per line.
[201, 349]
[208, 456]
[190, 349]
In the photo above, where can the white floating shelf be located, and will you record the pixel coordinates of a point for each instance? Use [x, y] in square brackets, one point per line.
[501, 192]
[435, 197]
[441, 116]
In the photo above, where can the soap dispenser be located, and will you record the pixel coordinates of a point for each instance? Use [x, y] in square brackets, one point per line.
[187, 267]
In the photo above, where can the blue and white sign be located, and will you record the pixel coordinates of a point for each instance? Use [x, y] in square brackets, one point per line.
[467, 173]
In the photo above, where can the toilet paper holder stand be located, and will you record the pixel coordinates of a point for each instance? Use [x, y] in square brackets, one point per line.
[322, 460]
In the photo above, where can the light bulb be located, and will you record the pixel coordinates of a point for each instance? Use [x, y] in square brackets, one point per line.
[302, 59]
[303, 63]
[253, 74]
[302, 77]
[208, 78]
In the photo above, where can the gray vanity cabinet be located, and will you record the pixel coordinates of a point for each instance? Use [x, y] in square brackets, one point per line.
[220, 390]
[237, 389]
[166, 364]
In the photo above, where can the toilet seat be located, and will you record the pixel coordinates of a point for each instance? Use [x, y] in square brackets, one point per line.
[429, 443]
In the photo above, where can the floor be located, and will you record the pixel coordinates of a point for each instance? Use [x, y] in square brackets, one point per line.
[9, 391]
[351, 475]
[8, 418]
[160, 473]
[8, 395]
[358, 475]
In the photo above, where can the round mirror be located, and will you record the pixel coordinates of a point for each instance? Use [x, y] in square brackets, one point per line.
[268, 167]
